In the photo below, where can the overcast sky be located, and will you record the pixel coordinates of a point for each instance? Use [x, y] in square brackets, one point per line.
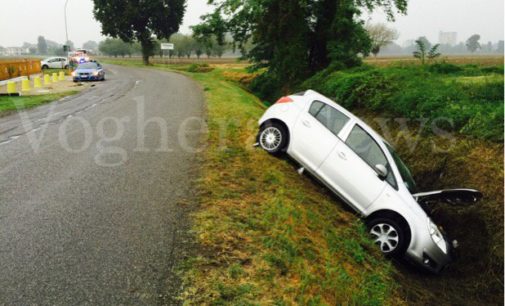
[24, 20]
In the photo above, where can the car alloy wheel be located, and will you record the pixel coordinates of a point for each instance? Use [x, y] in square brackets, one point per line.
[271, 138]
[386, 236]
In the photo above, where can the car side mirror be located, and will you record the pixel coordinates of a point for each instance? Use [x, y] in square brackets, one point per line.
[382, 171]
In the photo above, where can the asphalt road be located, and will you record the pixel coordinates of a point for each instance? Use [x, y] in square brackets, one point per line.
[94, 198]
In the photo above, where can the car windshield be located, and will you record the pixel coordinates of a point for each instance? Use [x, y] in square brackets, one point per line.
[88, 66]
[404, 170]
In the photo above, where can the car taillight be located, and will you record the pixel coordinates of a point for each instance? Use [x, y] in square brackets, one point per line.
[284, 100]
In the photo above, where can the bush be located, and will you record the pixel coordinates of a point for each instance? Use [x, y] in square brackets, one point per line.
[199, 68]
[444, 68]
[267, 87]
[473, 103]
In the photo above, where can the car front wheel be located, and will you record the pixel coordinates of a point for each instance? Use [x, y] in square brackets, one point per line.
[389, 235]
[273, 138]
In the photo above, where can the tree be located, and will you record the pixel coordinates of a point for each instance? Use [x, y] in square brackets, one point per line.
[115, 47]
[424, 52]
[433, 52]
[425, 41]
[42, 45]
[184, 45]
[380, 35]
[198, 48]
[130, 20]
[90, 45]
[218, 50]
[295, 38]
[472, 43]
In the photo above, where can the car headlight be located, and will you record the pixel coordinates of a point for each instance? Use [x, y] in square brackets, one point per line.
[437, 236]
[73, 73]
[95, 73]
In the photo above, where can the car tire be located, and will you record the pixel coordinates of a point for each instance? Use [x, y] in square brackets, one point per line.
[273, 138]
[66, 67]
[45, 67]
[389, 234]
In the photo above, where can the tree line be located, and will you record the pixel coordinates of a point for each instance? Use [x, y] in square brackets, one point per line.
[184, 46]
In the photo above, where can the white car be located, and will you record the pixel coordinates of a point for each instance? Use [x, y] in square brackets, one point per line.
[54, 63]
[358, 165]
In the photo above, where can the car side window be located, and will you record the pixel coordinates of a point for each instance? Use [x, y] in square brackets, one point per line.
[367, 148]
[328, 116]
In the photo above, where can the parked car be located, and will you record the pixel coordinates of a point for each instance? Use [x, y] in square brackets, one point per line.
[363, 169]
[54, 63]
[90, 71]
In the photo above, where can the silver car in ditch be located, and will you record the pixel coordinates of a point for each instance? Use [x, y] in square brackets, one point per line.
[363, 169]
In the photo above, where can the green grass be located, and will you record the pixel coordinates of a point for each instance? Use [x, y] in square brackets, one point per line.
[270, 236]
[51, 71]
[12, 103]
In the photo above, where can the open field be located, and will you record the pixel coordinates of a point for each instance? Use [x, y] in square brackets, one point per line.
[266, 233]
[482, 60]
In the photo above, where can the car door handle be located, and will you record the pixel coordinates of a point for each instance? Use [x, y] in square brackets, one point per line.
[306, 123]
[342, 155]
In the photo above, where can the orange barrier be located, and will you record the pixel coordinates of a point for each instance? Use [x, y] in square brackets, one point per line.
[17, 68]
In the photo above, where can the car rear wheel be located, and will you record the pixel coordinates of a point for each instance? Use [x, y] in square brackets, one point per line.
[273, 138]
[45, 67]
[389, 235]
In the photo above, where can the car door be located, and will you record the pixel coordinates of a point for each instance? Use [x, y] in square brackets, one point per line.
[315, 133]
[52, 63]
[350, 169]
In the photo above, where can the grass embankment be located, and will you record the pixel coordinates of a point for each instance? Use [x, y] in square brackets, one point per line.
[472, 157]
[268, 235]
[12, 103]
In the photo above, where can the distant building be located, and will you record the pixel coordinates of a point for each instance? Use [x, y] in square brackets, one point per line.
[448, 38]
[14, 51]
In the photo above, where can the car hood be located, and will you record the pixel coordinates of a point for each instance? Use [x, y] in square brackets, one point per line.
[461, 196]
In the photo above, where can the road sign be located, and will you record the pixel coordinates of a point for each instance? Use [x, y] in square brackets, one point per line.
[167, 46]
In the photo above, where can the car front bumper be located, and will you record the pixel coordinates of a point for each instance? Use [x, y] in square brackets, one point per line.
[431, 257]
[89, 78]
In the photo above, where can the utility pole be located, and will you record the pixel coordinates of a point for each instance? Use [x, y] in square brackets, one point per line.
[67, 49]
[66, 28]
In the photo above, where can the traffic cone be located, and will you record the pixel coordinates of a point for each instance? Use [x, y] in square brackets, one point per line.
[62, 76]
[11, 87]
[55, 77]
[25, 85]
[37, 82]
[47, 79]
